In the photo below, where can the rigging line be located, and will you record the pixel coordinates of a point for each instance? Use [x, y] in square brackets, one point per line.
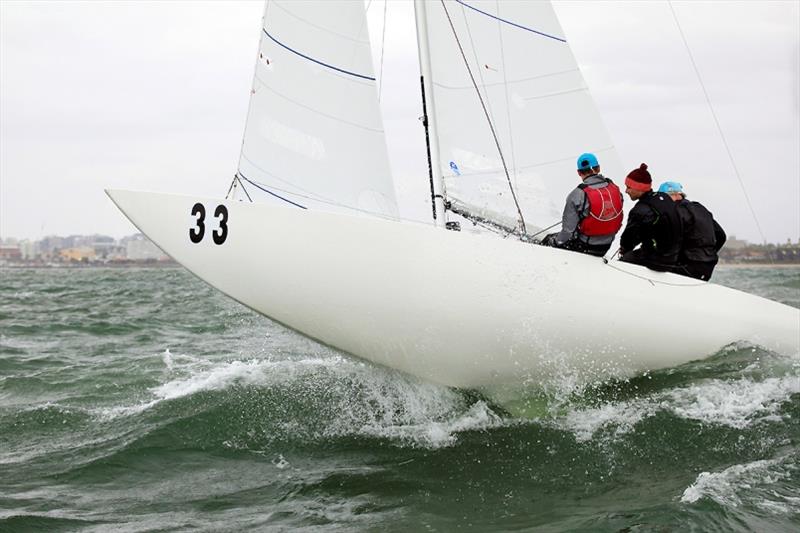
[233, 188]
[318, 62]
[477, 62]
[511, 23]
[244, 189]
[480, 71]
[551, 226]
[716, 121]
[309, 195]
[230, 188]
[320, 199]
[645, 278]
[508, 104]
[486, 223]
[383, 43]
[270, 192]
[486, 112]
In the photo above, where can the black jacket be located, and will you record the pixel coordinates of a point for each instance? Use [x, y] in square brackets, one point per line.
[655, 224]
[702, 236]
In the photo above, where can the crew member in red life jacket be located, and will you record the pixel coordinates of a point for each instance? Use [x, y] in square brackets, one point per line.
[653, 222]
[592, 214]
[702, 236]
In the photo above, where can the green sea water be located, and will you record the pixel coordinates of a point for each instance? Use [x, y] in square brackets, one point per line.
[143, 400]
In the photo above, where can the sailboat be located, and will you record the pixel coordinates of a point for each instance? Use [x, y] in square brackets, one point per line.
[325, 252]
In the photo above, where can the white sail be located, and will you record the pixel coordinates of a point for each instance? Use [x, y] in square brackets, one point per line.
[534, 93]
[314, 135]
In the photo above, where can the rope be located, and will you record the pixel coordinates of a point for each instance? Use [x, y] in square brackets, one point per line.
[233, 182]
[551, 226]
[716, 121]
[244, 189]
[270, 192]
[233, 187]
[654, 282]
[488, 118]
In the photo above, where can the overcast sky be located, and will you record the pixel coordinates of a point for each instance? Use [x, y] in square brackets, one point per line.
[153, 96]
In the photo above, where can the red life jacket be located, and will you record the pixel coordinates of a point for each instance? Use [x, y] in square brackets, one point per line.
[605, 210]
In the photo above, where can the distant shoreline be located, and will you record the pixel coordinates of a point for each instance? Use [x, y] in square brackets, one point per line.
[133, 264]
[758, 265]
[173, 264]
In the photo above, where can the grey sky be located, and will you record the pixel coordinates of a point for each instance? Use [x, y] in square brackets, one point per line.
[153, 96]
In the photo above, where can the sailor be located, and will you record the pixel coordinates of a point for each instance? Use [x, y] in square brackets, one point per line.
[653, 223]
[702, 235]
[592, 214]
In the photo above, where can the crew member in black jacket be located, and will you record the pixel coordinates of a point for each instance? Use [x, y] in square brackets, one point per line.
[702, 235]
[653, 223]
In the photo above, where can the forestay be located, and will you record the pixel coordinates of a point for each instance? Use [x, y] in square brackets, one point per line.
[314, 136]
[536, 98]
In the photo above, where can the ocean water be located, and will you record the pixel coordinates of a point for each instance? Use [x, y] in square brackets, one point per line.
[143, 400]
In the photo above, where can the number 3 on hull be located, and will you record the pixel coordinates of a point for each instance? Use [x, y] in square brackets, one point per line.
[197, 232]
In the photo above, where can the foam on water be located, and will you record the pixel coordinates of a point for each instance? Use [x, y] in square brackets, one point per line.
[437, 433]
[748, 483]
[363, 400]
[379, 403]
[199, 375]
[623, 417]
[735, 403]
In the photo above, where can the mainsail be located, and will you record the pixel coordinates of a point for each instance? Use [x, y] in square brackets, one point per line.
[528, 82]
[314, 136]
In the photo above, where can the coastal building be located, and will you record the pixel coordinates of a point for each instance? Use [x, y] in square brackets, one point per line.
[140, 248]
[81, 254]
[29, 250]
[10, 253]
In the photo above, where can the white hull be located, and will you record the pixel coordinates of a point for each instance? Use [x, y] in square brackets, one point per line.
[453, 308]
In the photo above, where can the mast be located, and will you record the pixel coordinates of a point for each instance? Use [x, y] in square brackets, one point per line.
[437, 181]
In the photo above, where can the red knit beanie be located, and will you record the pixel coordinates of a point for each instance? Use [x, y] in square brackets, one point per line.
[639, 179]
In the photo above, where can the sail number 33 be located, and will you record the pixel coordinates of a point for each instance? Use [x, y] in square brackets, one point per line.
[197, 233]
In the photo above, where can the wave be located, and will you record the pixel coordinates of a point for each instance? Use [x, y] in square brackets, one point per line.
[330, 396]
[735, 403]
[756, 484]
[345, 398]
